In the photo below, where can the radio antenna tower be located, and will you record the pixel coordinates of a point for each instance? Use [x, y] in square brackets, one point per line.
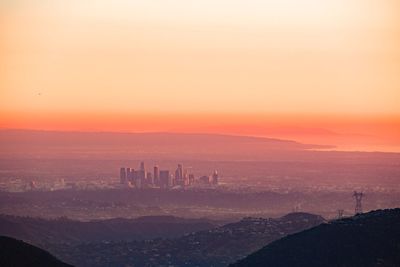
[358, 197]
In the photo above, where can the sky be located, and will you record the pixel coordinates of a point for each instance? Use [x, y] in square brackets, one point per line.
[309, 70]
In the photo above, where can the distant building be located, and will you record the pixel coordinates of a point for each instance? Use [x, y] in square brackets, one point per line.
[138, 182]
[135, 179]
[204, 179]
[171, 181]
[131, 177]
[62, 182]
[164, 179]
[141, 176]
[142, 168]
[156, 176]
[128, 174]
[122, 176]
[215, 178]
[179, 176]
[191, 179]
[149, 178]
[32, 185]
[186, 178]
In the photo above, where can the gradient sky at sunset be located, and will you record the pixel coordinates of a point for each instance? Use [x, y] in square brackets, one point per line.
[282, 68]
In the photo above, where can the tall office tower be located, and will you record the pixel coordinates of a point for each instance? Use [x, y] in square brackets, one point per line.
[180, 170]
[138, 182]
[164, 179]
[215, 178]
[185, 178]
[132, 177]
[143, 173]
[191, 179]
[156, 176]
[179, 177]
[122, 176]
[149, 179]
[171, 181]
[128, 174]
[142, 168]
[136, 179]
[141, 176]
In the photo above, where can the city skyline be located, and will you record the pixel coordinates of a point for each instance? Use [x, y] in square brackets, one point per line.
[163, 178]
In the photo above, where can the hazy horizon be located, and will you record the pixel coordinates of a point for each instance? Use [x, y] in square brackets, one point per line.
[310, 71]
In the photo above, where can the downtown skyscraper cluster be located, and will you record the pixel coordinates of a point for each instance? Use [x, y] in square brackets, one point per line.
[163, 179]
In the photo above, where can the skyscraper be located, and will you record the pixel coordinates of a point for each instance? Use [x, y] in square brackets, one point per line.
[141, 176]
[179, 177]
[156, 176]
[185, 178]
[138, 180]
[215, 178]
[164, 179]
[142, 168]
[171, 181]
[128, 174]
[142, 173]
[131, 178]
[180, 170]
[149, 179]
[122, 175]
[191, 179]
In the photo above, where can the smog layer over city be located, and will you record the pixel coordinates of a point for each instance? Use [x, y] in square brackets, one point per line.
[200, 133]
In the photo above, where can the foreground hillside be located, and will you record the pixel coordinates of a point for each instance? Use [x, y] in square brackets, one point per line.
[216, 247]
[15, 253]
[367, 240]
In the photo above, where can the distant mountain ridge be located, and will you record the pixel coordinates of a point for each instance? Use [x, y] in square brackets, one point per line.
[16, 253]
[365, 240]
[17, 135]
[38, 137]
[156, 145]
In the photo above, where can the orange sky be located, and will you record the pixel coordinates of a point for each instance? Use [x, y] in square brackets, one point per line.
[309, 70]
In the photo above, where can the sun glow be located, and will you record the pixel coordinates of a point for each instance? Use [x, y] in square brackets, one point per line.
[88, 64]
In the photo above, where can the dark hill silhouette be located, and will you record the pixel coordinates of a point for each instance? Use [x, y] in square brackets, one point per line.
[365, 240]
[16, 253]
